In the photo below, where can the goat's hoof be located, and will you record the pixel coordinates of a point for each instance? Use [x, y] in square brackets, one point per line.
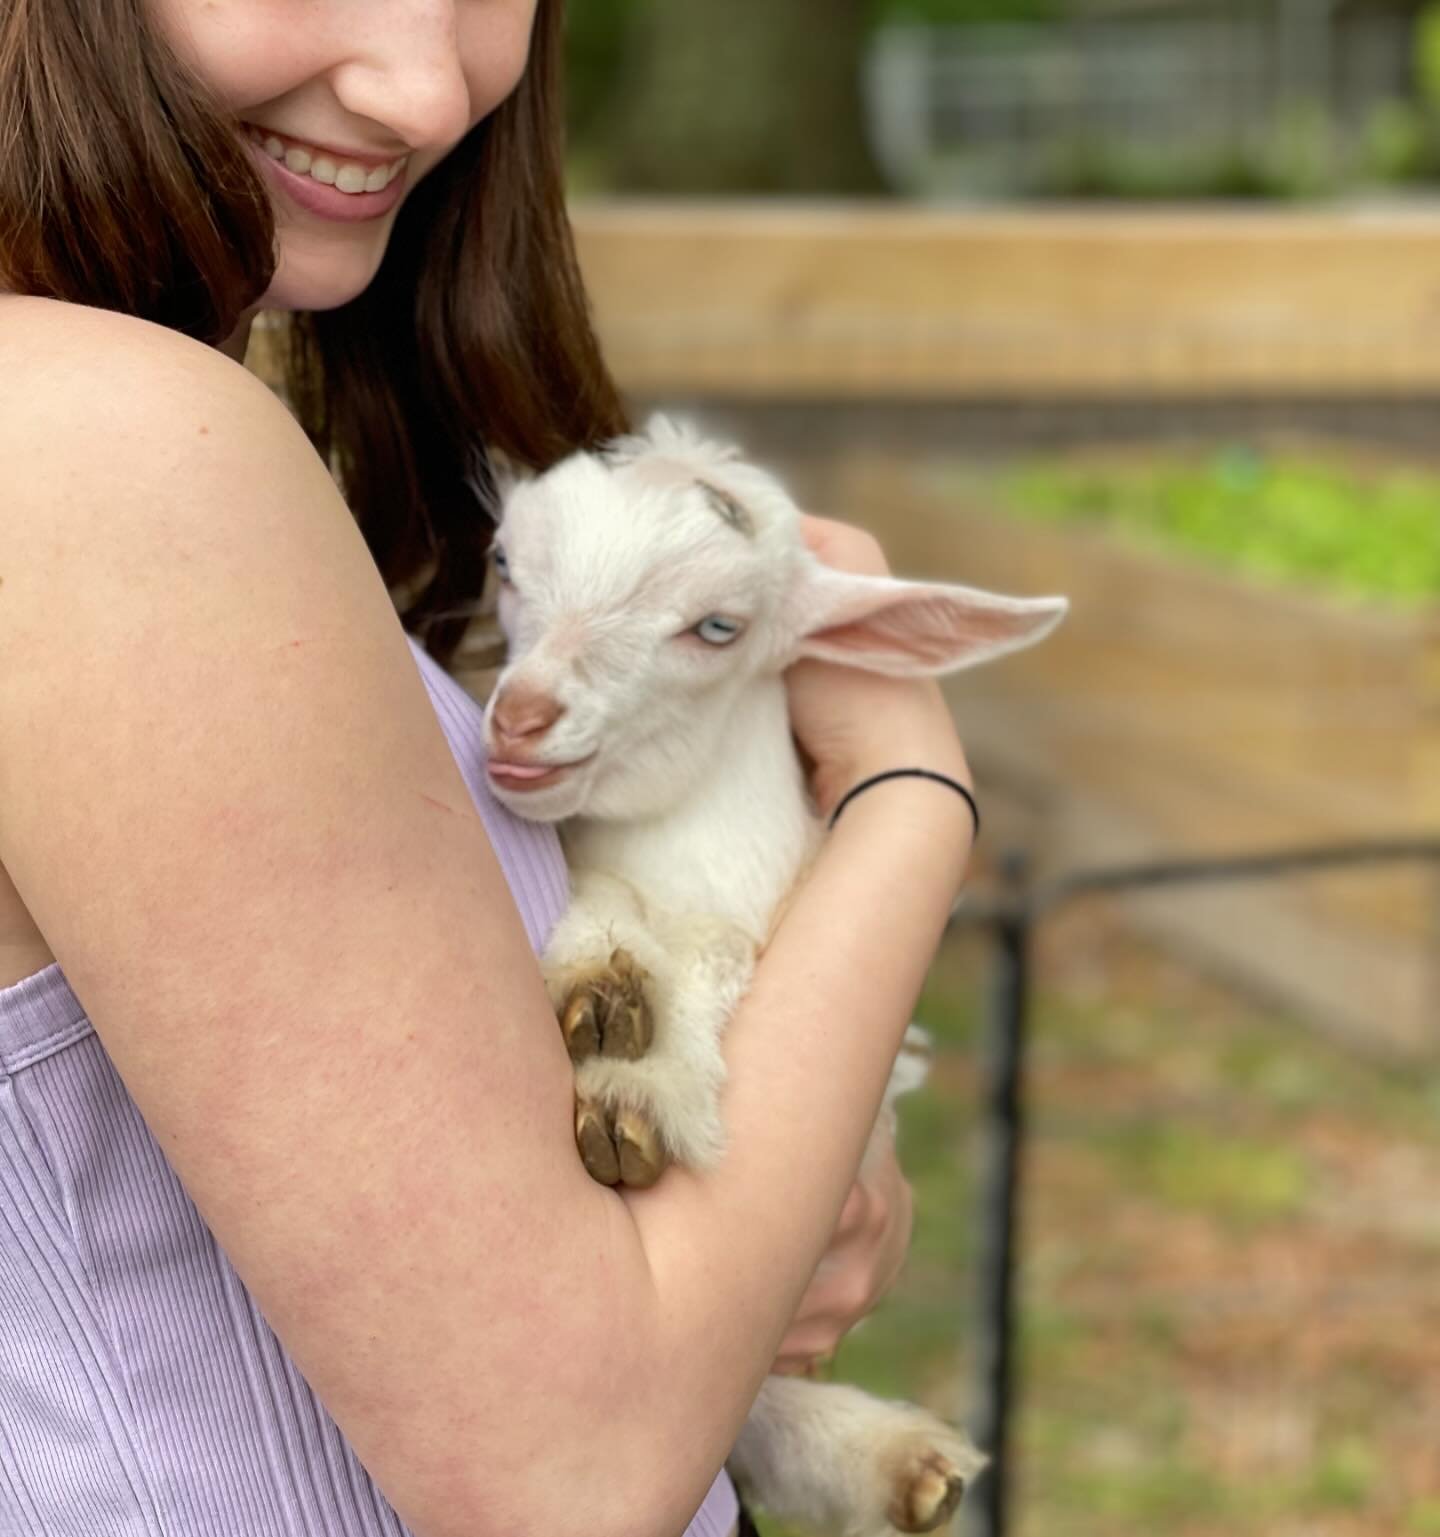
[926, 1492]
[642, 1156]
[629, 1026]
[620, 1147]
[597, 1149]
[579, 1026]
[607, 1014]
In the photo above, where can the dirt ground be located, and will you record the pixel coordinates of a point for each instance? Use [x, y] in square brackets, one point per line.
[1239, 1222]
[1230, 1269]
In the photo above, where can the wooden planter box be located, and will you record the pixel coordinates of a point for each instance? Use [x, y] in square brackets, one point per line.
[1181, 711]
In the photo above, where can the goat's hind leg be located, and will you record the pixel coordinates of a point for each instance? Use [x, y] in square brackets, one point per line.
[831, 1457]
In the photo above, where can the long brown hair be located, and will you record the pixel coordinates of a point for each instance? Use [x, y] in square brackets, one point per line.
[124, 185]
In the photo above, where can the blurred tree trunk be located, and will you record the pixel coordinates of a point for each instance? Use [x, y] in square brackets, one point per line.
[744, 96]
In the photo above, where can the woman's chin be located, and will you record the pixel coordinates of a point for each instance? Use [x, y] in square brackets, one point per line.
[322, 275]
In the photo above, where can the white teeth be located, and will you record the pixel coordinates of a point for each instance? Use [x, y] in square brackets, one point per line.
[344, 178]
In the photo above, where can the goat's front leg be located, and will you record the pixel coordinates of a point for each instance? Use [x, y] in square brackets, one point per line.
[597, 965]
[596, 972]
[642, 1000]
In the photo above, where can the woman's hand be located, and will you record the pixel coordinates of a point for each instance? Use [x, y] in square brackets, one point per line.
[865, 1255]
[850, 723]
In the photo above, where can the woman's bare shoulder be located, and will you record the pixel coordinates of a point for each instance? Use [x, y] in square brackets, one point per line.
[88, 399]
[46, 329]
[119, 437]
[43, 341]
[72, 372]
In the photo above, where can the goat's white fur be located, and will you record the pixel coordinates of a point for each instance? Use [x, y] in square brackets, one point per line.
[686, 821]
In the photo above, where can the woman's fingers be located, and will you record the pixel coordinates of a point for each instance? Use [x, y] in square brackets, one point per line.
[853, 1214]
[844, 546]
[865, 1256]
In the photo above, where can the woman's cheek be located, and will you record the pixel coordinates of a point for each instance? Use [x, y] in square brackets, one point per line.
[237, 47]
[495, 41]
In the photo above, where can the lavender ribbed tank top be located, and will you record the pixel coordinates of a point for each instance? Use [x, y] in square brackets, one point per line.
[141, 1392]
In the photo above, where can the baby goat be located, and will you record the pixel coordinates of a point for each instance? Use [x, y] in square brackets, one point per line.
[652, 596]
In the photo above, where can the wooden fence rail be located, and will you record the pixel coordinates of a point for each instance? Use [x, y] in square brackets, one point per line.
[850, 301]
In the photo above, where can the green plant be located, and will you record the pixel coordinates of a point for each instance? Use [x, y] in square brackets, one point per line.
[1395, 141]
[1279, 517]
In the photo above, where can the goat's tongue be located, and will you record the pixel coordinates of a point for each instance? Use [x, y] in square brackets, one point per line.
[521, 770]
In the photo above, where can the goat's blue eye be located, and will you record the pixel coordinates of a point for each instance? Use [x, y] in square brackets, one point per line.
[717, 630]
[502, 565]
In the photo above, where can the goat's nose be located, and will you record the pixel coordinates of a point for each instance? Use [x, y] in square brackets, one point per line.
[521, 711]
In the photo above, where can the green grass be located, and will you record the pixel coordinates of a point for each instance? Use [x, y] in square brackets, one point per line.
[1281, 517]
[1422, 1519]
[1236, 1180]
[1344, 1477]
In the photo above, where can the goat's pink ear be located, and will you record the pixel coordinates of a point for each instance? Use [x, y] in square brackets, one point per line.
[912, 629]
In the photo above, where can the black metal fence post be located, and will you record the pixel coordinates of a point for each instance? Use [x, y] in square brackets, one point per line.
[1434, 979]
[1004, 1132]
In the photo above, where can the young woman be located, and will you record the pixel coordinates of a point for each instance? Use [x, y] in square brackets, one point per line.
[285, 1121]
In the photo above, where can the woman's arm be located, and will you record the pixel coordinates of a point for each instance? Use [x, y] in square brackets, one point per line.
[228, 805]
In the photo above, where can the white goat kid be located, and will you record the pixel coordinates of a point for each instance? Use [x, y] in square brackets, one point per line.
[652, 596]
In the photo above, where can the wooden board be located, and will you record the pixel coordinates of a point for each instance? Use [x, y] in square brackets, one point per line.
[856, 301]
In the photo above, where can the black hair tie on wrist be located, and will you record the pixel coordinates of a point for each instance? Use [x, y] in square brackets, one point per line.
[908, 773]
